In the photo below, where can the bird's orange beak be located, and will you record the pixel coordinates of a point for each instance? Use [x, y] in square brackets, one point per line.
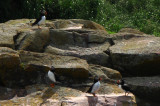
[45, 13]
[100, 79]
[118, 81]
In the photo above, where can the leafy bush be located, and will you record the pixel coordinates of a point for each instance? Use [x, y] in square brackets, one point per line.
[112, 14]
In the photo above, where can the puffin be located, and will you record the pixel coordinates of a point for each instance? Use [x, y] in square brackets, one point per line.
[41, 19]
[51, 75]
[125, 87]
[95, 86]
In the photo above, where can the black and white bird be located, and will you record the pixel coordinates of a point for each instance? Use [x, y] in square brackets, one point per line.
[124, 86]
[95, 86]
[41, 19]
[51, 75]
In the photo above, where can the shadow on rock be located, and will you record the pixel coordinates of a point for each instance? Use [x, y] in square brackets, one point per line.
[125, 101]
[7, 93]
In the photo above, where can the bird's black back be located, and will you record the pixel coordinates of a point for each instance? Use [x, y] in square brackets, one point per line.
[90, 89]
[126, 88]
[37, 20]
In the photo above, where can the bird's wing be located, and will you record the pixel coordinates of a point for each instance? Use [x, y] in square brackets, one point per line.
[36, 21]
[96, 87]
[90, 89]
[126, 88]
[51, 76]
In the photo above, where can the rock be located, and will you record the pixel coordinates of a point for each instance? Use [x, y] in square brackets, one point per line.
[90, 54]
[59, 34]
[119, 37]
[131, 30]
[145, 88]
[6, 93]
[32, 40]
[6, 35]
[9, 58]
[88, 42]
[76, 37]
[137, 56]
[9, 30]
[79, 50]
[65, 65]
[9, 66]
[88, 24]
[19, 22]
[6, 41]
[85, 44]
[44, 95]
[104, 72]
[63, 24]
[75, 24]
[61, 38]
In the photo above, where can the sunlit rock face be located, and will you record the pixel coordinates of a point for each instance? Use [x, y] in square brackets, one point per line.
[137, 56]
[79, 50]
[45, 95]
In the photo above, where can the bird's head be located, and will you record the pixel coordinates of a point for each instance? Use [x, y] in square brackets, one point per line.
[100, 79]
[44, 12]
[52, 69]
[96, 79]
[120, 82]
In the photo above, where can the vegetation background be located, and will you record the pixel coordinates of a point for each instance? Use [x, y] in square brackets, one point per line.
[112, 14]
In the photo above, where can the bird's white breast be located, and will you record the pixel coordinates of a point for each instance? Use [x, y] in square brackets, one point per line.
[51, 76]
[96, 87]
[42, 20]
[120, 86]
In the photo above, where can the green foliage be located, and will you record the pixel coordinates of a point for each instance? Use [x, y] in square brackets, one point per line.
[112, 14]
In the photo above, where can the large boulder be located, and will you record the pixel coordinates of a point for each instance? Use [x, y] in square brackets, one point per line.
[64, 65]
[118, 37]
[6, 41]
[32, 40]
[9, 29]
[88, 42]
[137, 56]
[90, 54]
[107, 74]
[76, 37]
[145, 88]
[9, 58]
[7, 32]
[9, 66]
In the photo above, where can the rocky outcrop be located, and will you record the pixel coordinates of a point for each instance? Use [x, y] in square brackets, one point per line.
[62, 96]
[32, 40]
[146, 88]
[137, 56]
[85, 44]
[64, 65]
[23, 67]
[79, 50]
[104, 72]
[130, 51]
[74, 24]
[9, 66]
